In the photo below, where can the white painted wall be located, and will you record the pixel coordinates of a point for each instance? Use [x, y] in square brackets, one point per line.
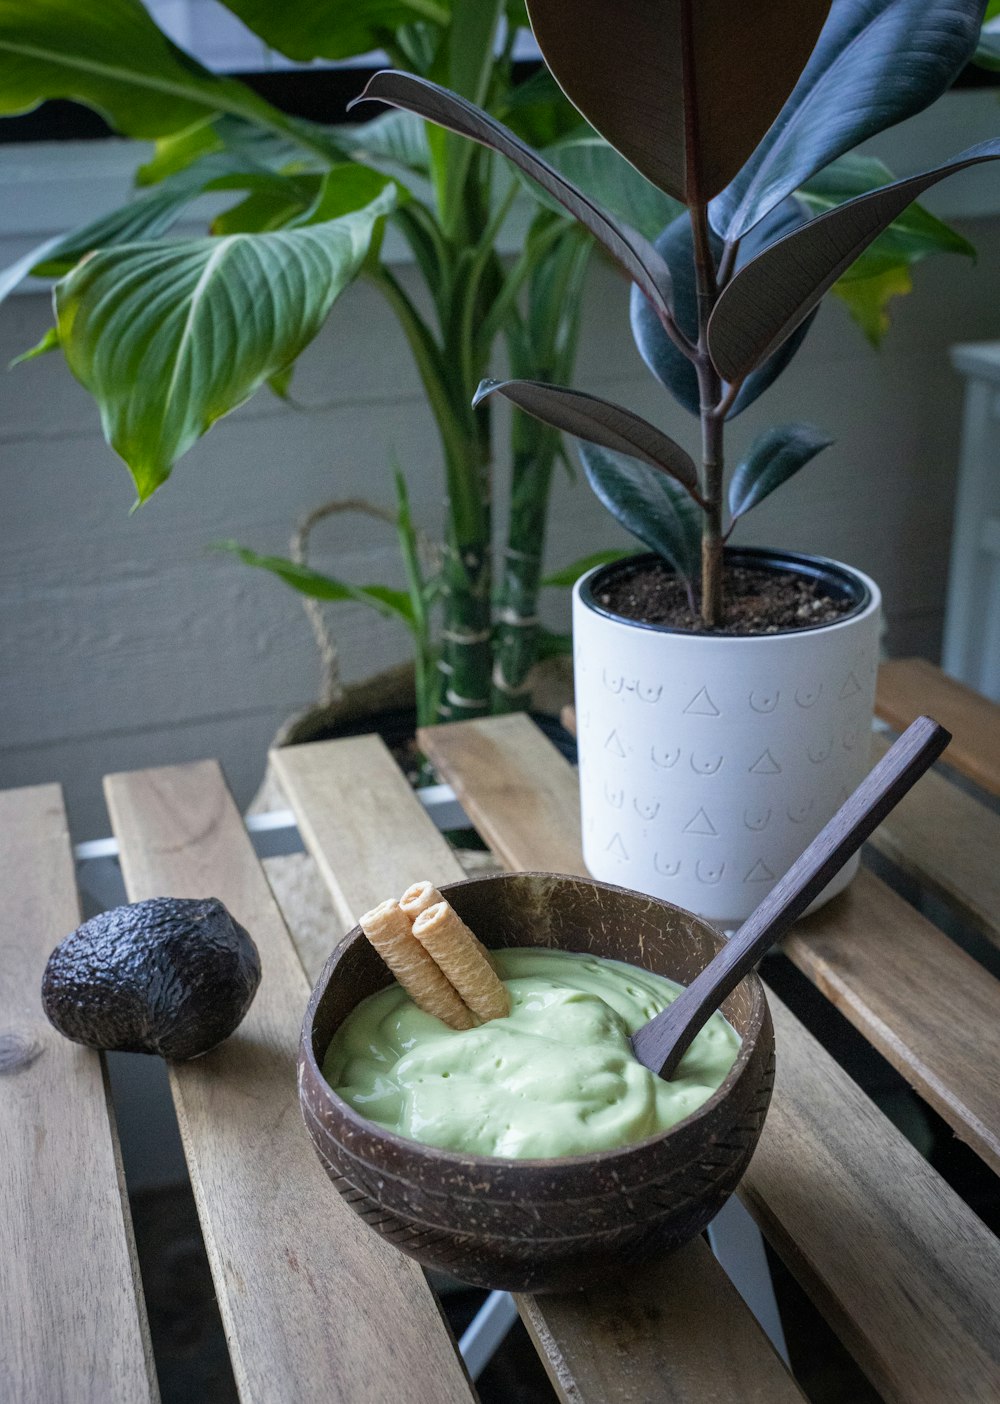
[124, 643]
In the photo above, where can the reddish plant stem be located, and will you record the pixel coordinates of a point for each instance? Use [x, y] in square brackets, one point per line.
[713, 412]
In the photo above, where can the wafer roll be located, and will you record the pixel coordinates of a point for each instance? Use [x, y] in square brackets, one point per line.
[418, 898]
[388, 929]
[447, 938]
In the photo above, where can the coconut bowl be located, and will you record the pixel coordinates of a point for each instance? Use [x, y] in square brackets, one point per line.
[559, 1224]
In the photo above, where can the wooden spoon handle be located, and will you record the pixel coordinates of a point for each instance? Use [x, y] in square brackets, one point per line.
[662, 1042]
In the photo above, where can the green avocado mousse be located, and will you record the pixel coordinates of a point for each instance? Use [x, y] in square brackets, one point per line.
[555, 1077]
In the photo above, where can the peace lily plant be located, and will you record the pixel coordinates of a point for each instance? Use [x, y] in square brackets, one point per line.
[708, 762]
[169, 334]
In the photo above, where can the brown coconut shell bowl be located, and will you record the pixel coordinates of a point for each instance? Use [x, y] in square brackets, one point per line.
[544, 1225]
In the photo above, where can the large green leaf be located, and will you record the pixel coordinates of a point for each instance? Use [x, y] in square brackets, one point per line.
[465, 65]
[769, 298]
[627, 248]
[876, 62]
[685, 89]
[868, 299]
[595, 166]
[648, 504]
[882, 271]
[110, 55]
[169, 336]
[332, 29]
[598, 421]
[567, 576]
[987, 53]
[396, 137]
[913, 234]
[390, 603]
[773, 458]
[140, 219]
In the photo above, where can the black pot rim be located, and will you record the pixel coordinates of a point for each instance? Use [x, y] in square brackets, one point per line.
[840, 581]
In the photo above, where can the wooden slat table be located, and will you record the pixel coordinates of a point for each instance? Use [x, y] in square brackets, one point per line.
[315, 1306]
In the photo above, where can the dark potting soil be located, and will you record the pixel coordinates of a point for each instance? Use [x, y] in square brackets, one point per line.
[756, 601]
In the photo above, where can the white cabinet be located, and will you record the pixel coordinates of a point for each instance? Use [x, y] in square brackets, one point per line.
[971, 650]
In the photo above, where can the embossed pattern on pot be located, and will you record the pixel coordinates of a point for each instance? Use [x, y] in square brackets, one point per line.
[706, 795]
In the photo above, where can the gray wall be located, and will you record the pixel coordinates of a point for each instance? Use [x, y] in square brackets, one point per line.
[125, 643]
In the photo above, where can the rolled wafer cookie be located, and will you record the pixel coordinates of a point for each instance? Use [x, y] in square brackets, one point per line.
[420, 896]
[447, 938]
[389, 931]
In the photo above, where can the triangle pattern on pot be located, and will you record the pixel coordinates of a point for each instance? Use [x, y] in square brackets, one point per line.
[760, 872]
[701, 705]
[765, 765]
[851, 686]
[700, 824]
[617, 847]
[614, 745]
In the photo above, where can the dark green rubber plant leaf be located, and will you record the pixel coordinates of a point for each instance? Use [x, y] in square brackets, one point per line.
[390, 603]
[634, 254]
[111, 56]
[773, 458]
[333, 29]
[876, 62]
[168, 336]
[684, 89]
[768, 298]
[648, 504]
[670, 366]
[598, 421]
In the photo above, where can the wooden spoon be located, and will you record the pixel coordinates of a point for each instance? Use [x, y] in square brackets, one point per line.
[662, 1042]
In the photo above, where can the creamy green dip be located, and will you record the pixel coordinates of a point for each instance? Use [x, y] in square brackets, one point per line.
[557, 1076]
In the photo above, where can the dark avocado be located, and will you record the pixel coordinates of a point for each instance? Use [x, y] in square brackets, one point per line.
[173, 976]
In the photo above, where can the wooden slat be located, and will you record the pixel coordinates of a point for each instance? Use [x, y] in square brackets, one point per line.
[371, 838]
[314, 1304]
[909, 686]
[898, 1264]
[72, 1318]
[949, 842]
[619, 1344]
[929, 1008]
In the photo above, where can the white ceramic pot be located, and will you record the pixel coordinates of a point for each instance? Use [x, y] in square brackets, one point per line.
[707, 763]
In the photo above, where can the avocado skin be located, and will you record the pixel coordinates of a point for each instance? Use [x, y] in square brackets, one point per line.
[172, 976]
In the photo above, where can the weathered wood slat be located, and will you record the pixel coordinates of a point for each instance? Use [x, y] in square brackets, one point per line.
[315, 1306]
[929, 1008]
[371, 839]
[72, 1317]
[908, 686]
[902, 1269]
[949, 842]
[620, 1342]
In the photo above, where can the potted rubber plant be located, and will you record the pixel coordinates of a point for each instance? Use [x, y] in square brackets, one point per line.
[724, 696]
